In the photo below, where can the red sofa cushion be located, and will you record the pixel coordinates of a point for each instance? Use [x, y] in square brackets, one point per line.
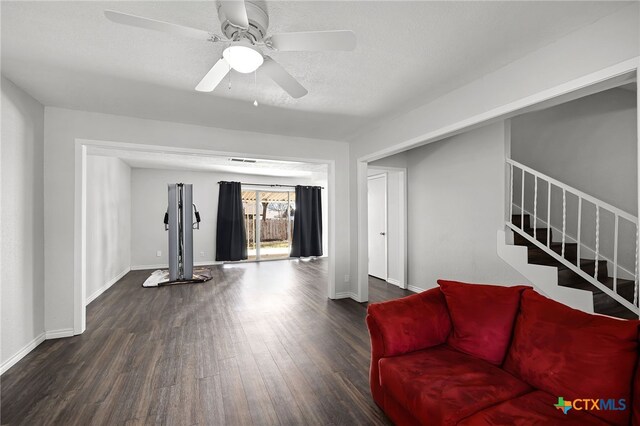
[482, 317]
[535, 408]
[440, 386]
[574, 355]
[411, 323]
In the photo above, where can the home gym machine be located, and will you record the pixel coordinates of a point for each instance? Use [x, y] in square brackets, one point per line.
[180, 219]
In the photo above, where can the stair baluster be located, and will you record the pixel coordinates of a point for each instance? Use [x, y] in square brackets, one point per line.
[612, 296]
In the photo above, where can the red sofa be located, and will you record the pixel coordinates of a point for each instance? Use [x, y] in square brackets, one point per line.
[472, 354]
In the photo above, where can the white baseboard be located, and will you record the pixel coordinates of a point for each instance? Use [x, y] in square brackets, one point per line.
[347, 295]
[415, 289]
[166, 266]
[57, 334]
[104, 288]
[394, 282]
[22, 353]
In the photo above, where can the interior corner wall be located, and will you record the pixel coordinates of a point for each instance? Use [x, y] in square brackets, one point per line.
[149, 194]
[63, 127]
[455, 205]
[108, 223]
[22, 219]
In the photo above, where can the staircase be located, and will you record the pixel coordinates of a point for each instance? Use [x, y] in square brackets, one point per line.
[602, 302]
[586, 260]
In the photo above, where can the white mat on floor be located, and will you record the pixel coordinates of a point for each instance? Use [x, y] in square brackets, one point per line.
[155, 278]
[200, 275]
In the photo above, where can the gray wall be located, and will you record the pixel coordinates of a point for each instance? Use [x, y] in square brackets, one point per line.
[456, 205]
[108, 222]
[591, 145]
[149, 202]
[22, 218]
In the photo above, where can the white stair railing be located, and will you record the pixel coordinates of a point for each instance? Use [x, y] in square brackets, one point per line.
[524, 171]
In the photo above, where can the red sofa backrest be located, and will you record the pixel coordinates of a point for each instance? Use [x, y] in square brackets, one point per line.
[482, 317]
[575, 355]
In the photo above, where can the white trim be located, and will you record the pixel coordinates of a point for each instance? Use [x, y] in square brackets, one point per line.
[347, 295]
[394, 282]
[362, 279]
[415, 289]
[502, 112]
[166, 265]
[80, 240]
[105, 287]
[57, 334]
[22, 353]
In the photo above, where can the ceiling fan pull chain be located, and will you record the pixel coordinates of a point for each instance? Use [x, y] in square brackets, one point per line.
[255, 88]
[229, 74]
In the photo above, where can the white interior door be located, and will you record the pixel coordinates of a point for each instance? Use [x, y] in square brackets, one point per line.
[377, 202]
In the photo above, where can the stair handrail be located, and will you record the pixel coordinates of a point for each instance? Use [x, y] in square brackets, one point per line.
[581, 194]
[634, 306]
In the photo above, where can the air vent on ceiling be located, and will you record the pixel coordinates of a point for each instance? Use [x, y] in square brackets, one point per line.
[242, 160]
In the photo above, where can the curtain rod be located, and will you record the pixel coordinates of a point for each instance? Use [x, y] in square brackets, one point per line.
[274, 185]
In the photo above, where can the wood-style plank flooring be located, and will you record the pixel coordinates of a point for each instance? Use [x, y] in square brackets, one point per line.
[259, 344]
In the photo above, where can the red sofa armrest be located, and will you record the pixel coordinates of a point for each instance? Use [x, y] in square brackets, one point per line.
[405, 325]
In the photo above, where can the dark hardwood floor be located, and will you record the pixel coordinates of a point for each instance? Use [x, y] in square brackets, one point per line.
[259, 344]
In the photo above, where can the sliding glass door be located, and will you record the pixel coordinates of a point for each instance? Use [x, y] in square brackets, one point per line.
[269, 222]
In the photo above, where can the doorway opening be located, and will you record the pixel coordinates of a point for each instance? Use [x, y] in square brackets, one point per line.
[387, 232]
[151, 167]
[268, 218]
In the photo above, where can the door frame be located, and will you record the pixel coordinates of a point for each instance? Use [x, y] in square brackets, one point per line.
[383, 175]
[258, 224]
[403, 281]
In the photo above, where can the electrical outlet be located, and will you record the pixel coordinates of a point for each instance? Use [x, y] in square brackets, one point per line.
[203, 254]
[346, 278]
[159, 253]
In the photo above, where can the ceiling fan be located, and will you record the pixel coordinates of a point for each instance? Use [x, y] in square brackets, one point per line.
[244, 25]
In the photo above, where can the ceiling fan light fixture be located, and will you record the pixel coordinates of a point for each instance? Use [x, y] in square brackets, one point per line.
[243, 58]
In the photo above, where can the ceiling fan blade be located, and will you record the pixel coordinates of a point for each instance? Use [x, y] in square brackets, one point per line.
[236, 12]
[152, 24]
[214, 76]
[314, 40]
[282, 78]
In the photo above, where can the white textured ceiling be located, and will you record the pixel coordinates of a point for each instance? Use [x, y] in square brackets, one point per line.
[212, 163]
[68, 54]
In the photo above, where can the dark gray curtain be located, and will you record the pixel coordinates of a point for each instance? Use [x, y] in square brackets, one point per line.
[231, 235]
[307, 222]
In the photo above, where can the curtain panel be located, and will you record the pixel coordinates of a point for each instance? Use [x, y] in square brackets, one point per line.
[307, 222]
[231, 234]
